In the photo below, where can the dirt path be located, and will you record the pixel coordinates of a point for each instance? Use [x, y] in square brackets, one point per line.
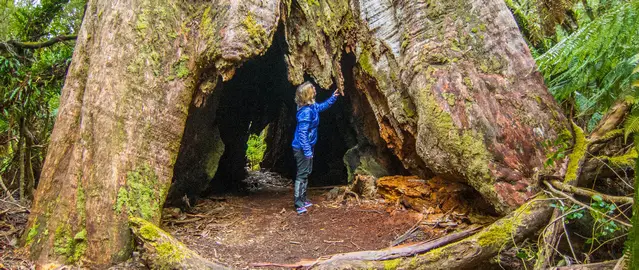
[262, 227]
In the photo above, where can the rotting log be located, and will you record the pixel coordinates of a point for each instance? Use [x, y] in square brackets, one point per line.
[468, 252]
[162, 251]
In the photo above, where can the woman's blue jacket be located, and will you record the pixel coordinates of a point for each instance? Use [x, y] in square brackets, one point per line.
[307, 121]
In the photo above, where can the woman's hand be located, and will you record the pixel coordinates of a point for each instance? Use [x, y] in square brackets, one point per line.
[337, 93]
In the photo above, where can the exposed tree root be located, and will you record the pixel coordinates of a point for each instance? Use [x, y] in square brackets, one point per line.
[590, 193]
[562, 194]
[162, 251]
[442, 254]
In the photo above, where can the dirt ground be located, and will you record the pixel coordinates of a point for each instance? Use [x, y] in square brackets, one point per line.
[262, 227]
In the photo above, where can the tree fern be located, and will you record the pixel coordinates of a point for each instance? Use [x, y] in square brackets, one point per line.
[596, 63]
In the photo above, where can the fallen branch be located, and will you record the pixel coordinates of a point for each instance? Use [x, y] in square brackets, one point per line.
[162, 251]
[590, 193]
[184, 221]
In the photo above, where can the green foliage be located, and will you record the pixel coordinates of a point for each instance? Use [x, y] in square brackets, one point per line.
[31, 80]
[573, 212]
[255, 150]
[594, 65]
[603, 225]
[561, 145]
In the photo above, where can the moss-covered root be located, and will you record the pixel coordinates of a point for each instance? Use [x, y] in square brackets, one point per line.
[162, 251]
[472, 251]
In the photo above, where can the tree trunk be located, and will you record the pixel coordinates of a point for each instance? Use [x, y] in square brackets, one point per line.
[452, 87]
[122, 115]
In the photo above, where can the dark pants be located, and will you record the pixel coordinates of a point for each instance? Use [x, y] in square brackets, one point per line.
[304, 168]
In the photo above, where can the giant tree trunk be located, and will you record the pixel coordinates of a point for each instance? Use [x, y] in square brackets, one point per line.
[451, 84]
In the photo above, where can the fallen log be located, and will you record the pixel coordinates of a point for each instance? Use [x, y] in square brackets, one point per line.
[162, 251]
[469, 251]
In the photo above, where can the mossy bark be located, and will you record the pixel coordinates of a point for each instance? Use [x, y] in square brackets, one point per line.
[162, 251]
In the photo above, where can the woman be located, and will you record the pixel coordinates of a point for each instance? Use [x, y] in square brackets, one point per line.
[305, 139]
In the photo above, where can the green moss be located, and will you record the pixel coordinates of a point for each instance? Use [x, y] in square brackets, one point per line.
[435, 253]
[78, 247]
[611, 134]
[465, 149]
[365, 62]
[62, 241]
[142, 22]
[578, 153]
[149, 232]
[168, 255]
[180, 68]
[392, 264]
[482, 27]
[502, 230]
[256, 31]
[468, 83]
[450, 98]
[122, 200]
[626, 160]
[405, 40]
[144, 193]
[408, 107]
[313, 2]
[33, 232]
[497, 233]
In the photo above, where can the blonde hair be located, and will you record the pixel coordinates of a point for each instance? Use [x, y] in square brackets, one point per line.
[304, 94]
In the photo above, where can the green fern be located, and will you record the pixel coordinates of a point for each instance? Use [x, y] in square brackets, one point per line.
[631, 125]
[595, 64]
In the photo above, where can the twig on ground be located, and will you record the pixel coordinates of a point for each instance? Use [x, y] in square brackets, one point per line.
[175, 221]
[408, 233]
[333, 242]
[358, 248]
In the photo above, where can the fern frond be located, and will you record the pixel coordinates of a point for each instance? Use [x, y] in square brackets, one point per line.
[597, 61]
[631, 125]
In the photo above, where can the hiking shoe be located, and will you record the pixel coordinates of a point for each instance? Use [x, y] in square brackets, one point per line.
[308, 204]
[301, 210]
